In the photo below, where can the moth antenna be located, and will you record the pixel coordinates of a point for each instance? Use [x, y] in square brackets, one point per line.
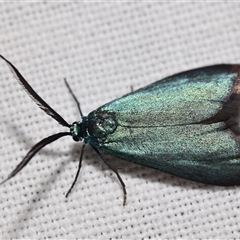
[37, 99]
[33, 151]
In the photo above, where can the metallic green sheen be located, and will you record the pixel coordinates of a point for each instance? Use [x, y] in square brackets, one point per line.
[179, 125]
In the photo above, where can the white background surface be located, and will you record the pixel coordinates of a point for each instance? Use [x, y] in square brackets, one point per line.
[103, 49]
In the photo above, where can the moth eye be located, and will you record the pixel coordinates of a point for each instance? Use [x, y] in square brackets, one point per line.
[101, 127]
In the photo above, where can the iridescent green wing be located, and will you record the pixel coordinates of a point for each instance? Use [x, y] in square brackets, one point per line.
[186, 125]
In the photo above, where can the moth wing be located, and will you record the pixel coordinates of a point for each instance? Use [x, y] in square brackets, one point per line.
[201, 152]
[185, 125]
[185, 98]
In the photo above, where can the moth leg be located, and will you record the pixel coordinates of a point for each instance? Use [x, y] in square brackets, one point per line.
[78, 170]
[116, 172]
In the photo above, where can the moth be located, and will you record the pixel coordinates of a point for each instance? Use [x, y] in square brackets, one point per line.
[186, 125]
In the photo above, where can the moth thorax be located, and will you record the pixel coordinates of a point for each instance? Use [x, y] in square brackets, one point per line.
[100, 127]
